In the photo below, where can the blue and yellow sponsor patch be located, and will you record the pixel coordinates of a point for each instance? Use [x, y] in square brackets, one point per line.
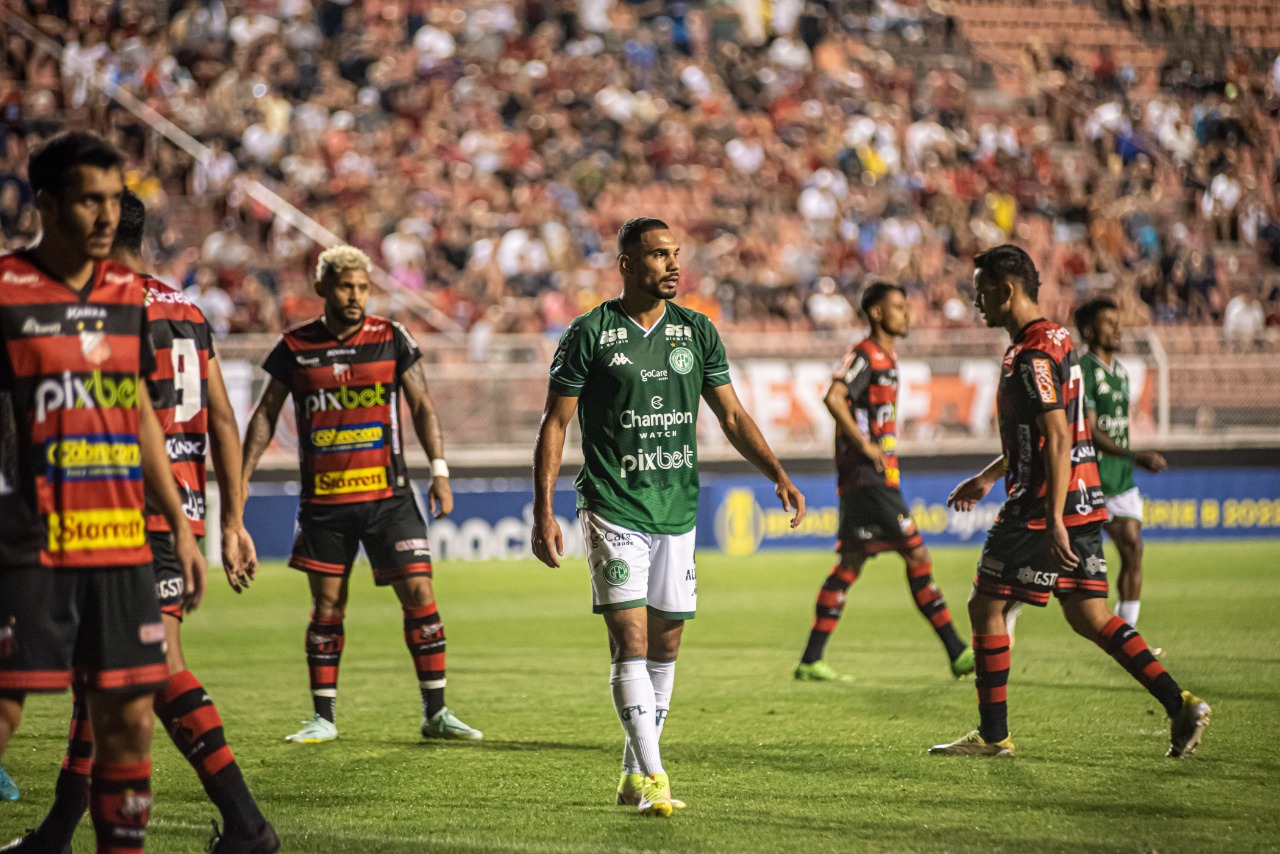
[347, 438]
[94, 456]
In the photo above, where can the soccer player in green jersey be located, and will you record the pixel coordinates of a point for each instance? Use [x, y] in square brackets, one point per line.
[1106, 393]
[635, 368]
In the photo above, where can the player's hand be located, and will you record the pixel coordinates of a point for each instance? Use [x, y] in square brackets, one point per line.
[966, 496]
[194, 571]
[239, 557]
[876, 454]
[1151, 461]
[791, 498]
[1060, 547]
[440, 497]
[548, 542]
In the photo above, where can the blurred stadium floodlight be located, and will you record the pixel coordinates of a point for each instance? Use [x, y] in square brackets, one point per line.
[416, 302]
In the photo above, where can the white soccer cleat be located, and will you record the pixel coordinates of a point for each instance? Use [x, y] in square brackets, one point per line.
[315, 731]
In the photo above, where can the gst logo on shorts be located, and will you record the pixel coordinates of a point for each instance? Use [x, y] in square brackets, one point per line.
[418, 546]
[1027, 575]
[1043, 370]
[169, 588]
[82, 530]
[352, 480]
[152, 632]
[356, 437]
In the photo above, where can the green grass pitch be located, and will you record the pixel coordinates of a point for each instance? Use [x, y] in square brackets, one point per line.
[766, 764]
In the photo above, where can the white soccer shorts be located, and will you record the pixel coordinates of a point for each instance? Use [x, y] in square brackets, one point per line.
[630, 569]
[1126, 505]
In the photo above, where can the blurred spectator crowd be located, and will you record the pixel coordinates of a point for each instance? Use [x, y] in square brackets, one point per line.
[484, 152]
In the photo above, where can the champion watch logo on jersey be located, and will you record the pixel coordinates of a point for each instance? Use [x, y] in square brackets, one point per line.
[619, 359]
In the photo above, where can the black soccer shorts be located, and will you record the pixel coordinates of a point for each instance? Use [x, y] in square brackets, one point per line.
[874, 519]
[1017, 563]
[392, 531]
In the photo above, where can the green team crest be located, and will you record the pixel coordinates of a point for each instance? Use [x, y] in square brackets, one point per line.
[616, 572]
[681, 360]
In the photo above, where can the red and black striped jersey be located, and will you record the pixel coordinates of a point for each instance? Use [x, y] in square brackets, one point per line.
[346, 400]
[179, 389]
[71, 364]
[871, 375]
[1041, 373]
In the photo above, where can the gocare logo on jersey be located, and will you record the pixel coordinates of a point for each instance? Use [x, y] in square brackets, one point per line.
[658, 458]
[85, 391]
[92, 457]
[352, 480]
[357, 437]
[325, 400]
[81, 530]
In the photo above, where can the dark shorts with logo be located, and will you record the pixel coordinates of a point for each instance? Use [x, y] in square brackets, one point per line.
[97, 628]
[1017, 563]
[874, 519]
[170, 585]
[391, 530]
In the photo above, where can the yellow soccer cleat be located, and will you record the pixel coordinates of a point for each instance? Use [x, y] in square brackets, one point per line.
[629, 792]
[973, 745]
[655, 796]
[1186, 728]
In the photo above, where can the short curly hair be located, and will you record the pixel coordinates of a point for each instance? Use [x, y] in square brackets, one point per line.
[335, 259]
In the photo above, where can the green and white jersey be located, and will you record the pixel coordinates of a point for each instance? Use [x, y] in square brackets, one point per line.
[1106, 393]
[639, 392]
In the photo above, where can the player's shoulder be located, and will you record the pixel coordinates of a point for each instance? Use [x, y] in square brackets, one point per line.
[684, 314]
[589, 325]
[18, 277]
[159, 294]
[875, 355]
[306, 333]
[1049, 338]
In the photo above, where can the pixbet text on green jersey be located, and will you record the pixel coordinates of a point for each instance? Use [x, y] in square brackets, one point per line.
[1106, 392]
[638, 395]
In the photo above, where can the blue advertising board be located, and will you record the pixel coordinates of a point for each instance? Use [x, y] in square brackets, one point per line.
[739, 514]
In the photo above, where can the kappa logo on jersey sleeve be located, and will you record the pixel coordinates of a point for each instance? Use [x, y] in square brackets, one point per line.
[1042, 373]
[84, 530]
[352, 480]
[92, 457]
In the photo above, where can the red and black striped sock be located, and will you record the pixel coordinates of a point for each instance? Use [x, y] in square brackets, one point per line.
[325, 640]
[120, 803]
[424, 635]
[1123, 643]
[71, 792]
[933, 606]
[991, 675]
[193, 722]
[827, 613]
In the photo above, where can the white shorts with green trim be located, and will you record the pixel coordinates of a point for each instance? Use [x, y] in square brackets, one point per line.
[1126, 505]
[630, 569]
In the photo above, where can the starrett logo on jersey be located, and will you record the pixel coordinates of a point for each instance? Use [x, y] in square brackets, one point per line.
[352, 480]
[658, 458]
[81, 391]
[80, 530]
[346, 398]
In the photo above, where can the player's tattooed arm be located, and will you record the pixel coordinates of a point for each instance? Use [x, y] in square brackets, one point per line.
[261, 427]
[837, 404]
[158, 481]
[972, 490]
[547, 539]
[745, 436]
[426, 423]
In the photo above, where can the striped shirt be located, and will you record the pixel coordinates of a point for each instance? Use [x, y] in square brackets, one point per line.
[871, 375]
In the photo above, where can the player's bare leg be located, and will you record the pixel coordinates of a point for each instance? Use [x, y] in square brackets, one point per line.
[120, 790]
[424, 635]
[1127, 536]
[324, 643]
[10, 717]
[991, 677]
[827, 612]
[1188, 714]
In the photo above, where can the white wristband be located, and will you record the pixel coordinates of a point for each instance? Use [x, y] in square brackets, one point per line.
[439, 468]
